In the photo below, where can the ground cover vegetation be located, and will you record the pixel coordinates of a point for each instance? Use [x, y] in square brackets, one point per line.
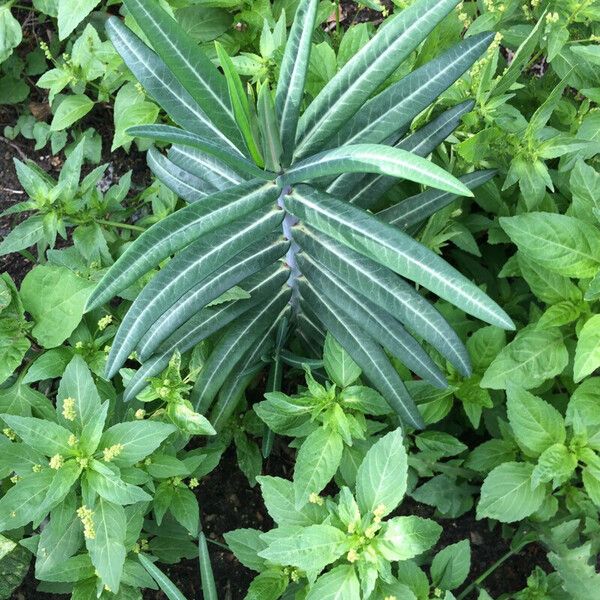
[342, 259]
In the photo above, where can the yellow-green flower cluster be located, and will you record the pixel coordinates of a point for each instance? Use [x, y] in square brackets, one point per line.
[57, 461]
[10, 434]
[68, 411]
[86, 517]
[104, 322]
[315, 499]
[109, 454]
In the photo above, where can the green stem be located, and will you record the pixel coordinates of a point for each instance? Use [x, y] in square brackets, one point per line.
[489, 571]
[26, 254]
[224, 546]
[30, 8]
[121, 225]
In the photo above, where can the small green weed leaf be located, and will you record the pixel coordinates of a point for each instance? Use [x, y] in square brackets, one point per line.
[107, 548]
[71, 13]
[269, 585]
[507, 494]
[562, 244]
[44, 436]
[587, 352]
[246, 544]
[279, 498]
[556, 463]
[337, 584]
[338, 363]
[21, 503]
[450, 567]
[406, 537]
[316, 463]
[70, 110]
[382, 476]
[310, 549]
[536, 424]
[137, 438]
[534, 356]
[55, 297]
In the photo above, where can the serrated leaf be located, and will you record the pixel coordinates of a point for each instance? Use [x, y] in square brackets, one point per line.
[385, 462]
[507, 494]
[587, 352]
[317, 461]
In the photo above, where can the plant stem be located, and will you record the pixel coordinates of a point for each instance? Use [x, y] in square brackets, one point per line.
[29, 8]
[121, 225]
[489, 571]
[26, 254]
[224, 546]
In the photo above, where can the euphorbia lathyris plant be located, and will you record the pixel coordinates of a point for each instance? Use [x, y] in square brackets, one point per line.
[277, 206]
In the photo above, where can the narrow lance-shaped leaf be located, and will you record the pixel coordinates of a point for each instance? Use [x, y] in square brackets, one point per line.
[184, 184]
[205, 323]
[240, 104]
[192, 265]
[192, 68]
[205, 166]
[241, 336]
[209, 589]
[401, 102]
[422, 142]
[369, 356]
[174, 135]
[158, 80]
[165, 584]
[251, 260]
[387, 291]
[373, 158]
[416, 209]
[369, 68]
[390, 247]
[235, 386]
[375, 320]
[176, 231]
[294, 66]
[269, 129]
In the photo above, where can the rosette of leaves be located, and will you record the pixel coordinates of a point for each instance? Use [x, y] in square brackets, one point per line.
[345, 544]
[546, 464]
[277, 204]
[91, 479]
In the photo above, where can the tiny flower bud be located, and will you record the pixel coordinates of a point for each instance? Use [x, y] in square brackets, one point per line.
[352, 555]
[193, 483]
[10, 434]
[109, 454]
[315, 499]
[56, 462]
[104, 322]
[140, 413]
[86, 517]
[68, 411]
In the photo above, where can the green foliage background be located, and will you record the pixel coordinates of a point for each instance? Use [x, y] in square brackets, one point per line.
[517, 442]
